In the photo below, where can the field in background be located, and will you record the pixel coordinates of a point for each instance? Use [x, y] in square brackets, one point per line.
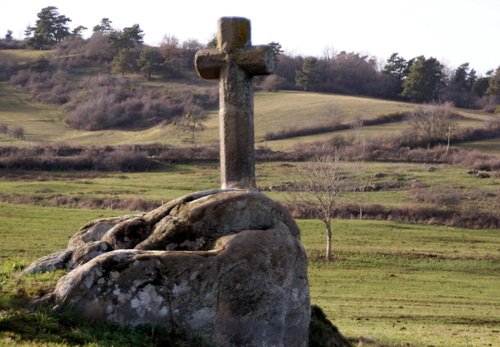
[389, 185]
[491, 146]
[273, 112]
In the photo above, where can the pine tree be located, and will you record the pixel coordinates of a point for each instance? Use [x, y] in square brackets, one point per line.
[424, 80]
[50, 29]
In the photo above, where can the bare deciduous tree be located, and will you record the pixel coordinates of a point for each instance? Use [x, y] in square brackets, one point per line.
[193, 120]
[318, 186]
[433, 123]
[16, 131]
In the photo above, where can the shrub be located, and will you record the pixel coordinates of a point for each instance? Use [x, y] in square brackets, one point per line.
[125, 160]
[488, 103]
[431, 124]
[44, 87]
[21, 78]
[16, 132]
[272, 83]
[443, 198]
[47, 158]
[7, 70]
[42, 64]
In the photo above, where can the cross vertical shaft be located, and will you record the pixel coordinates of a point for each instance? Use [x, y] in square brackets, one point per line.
[234, 63]
[236, 127]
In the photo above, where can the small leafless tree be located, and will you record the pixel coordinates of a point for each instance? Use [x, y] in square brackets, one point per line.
[318, 186]
[357, 126]
[193, 120]
[334, 114]
[16, 131]
[433, 123]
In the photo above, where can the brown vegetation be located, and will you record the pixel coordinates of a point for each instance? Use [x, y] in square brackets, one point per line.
[407, 214]
[69, 159]
[16, 131]
[108, 102]
[315, 129]
[129, 158]
[85, 202]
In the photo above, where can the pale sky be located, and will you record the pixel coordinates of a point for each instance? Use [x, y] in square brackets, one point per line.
[453, 31]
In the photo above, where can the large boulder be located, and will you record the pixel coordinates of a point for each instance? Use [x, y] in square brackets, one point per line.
[228, 265]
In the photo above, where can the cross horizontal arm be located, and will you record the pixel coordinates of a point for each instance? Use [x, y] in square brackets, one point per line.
[208, 63]
[256, 60]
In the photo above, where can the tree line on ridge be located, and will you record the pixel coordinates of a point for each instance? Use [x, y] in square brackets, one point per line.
[124, 103]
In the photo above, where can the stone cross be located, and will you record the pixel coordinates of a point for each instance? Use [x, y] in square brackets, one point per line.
[234, 62]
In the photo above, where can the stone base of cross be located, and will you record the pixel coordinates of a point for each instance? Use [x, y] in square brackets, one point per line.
[234, 62]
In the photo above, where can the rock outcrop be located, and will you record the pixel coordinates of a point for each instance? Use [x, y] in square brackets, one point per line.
[227, 265]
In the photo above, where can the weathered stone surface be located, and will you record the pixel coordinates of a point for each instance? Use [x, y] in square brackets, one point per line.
[228, 265]
[95, 230]
[87, 252]
[51, 262]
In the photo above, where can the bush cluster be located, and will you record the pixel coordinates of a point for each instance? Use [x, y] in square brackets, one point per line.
[44, 87]
[391, 149]
[115, 103]
[107, 102]
[407, 214]
[119, 159]
[144, 157]
[16, 131]
[8, 69]
[315, 129]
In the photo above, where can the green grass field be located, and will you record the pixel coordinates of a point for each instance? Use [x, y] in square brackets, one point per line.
[408, 285]
[391, 283]
[403, 181]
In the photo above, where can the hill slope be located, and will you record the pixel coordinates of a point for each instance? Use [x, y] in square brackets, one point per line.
[273, 112]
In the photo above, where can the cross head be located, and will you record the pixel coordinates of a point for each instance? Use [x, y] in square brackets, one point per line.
[234, 62]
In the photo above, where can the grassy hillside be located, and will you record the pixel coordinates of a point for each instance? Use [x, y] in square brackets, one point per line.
[491, 146]
[273, 112]
[39, 121]
[20, 56]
